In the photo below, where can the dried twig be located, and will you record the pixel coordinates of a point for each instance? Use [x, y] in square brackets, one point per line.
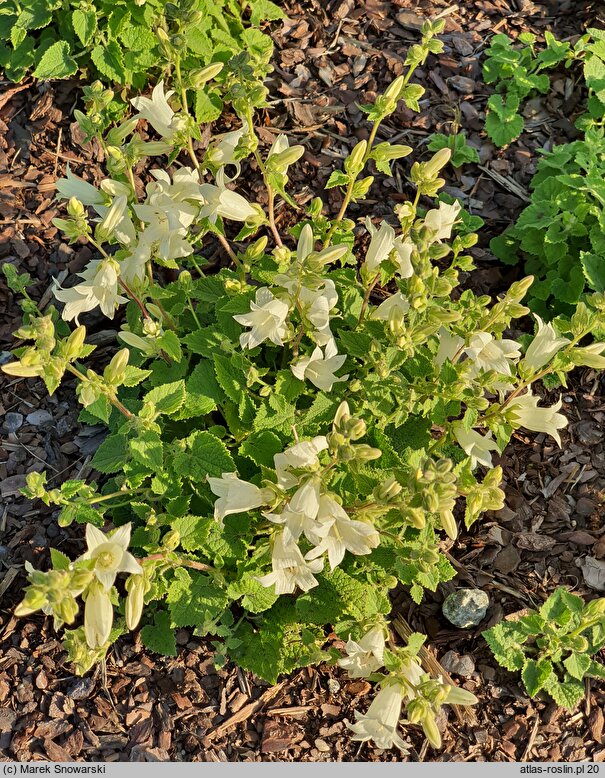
[244, 713]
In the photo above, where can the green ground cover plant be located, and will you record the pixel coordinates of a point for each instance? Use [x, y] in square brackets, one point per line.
[553, 647]
[130, 43]
[293, 429]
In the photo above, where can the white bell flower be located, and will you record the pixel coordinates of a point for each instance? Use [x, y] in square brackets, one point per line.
[305, 243]
[316, 305]
[156, 111]
[365, 656]
[267, 319]
[337, 533]
[300, 456]
[475, 445]
[99, 287]
[440, 221]
[321, 366]
[449, 346]
[395, 304]
[74, 186]
[382, 719]
[290, 569]
[380, 246]
[98, 616]
[299, 516]
[403, 253]
[110, 554]
[115, 222]
[487, 353]
[222, 153]
[235, 495]
[223, 202]
[528, 415]
[544, 346]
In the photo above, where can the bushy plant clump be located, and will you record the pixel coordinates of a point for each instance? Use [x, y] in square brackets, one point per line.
[133, 42]
[292, 434]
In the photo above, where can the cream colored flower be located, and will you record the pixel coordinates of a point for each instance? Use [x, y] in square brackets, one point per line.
[223, 202]
[474, 445]
[300, 456]
[300, 514]
[394, 305]
[321, 366]
[440, 221]
[156, 111]
[382, 719]
[337, 533]
[235, 495]
[380, 246]
[98, 615]
[449, 346]
[267, 319]
[110, 554]
[366, 656]
[527, 414]
[487, 353]
[99, 287]
[73, 186]
[290, 570]
[544, 346]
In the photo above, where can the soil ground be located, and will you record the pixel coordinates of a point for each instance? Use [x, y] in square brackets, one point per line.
[140, 707]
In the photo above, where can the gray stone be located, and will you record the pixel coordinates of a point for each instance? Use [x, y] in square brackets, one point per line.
[37, 418]
[13, 421]
[463, 666]
[466, 607]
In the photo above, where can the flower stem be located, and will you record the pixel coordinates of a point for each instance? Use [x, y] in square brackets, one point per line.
[366, 298]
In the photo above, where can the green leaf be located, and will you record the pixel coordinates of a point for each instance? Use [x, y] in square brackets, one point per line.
[56, 62]
[170, 343]
[340, 594]
[208, 106]
[506, 642]
[278, 644]
[160, 637]
[147, 449]
[535, 675]
[261, 447]
[568, 693]
[111, 454]
[503, 130]
[277, 414]
[84, 24]
[231, 374]
[59, 560]
[204, 455]
[577, 665]
[213, 542]
[193, 598]
[109, 61]
[202, 392]
[264, 10]
[167, 398]
[255, 597]
[594, 270]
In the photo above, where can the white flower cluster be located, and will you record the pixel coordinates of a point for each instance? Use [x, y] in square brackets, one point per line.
[484, 353]
[310, 512]
[381, 721]
[159, 227]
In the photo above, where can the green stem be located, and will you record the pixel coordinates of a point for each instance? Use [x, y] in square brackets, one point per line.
[366, 298]
[111, 397]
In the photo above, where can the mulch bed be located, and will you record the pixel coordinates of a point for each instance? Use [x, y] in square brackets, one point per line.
[142, 707]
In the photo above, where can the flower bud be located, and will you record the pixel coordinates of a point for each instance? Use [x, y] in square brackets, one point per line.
[364, 453]
[171, 540]
[434, 165]
[448, 522]
[431, 730]
[257, 249]
[388, 490]
[114, 372]
[75, 342]
[354, 163]
[34, 600]
[393, 90]
[331, 254]
[200, 76]
[136, 586]
[594, 609]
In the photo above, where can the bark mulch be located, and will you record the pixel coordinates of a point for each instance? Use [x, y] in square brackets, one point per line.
[142, 707]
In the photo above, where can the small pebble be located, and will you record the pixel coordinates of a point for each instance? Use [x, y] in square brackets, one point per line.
[465, 607]
[4, 552]
[37, 418]
[12, 421]
[321, 745]
[333, 685]
[81, 689]
[463, 666]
